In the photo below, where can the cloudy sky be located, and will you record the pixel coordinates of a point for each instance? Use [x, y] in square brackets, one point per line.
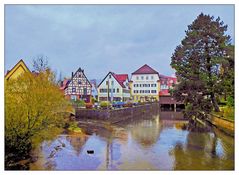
[102, 38]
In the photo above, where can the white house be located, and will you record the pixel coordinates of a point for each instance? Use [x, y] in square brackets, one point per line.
[114, 87]
[145, 84]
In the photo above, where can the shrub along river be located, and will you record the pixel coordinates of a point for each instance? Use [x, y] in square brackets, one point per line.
[141, 143]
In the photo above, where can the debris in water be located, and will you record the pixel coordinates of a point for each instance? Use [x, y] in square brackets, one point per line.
[90, 151]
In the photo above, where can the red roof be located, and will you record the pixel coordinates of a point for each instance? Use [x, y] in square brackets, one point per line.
[145, 69]
[163, 92]
[64, 84]
[121, 78]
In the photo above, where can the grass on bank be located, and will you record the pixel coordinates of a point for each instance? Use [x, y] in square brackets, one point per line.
[73, 126]
[226, 112]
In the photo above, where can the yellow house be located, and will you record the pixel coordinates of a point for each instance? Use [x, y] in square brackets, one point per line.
[17, 70]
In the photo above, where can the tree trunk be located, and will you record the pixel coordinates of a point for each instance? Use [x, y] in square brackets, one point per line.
[214, 102]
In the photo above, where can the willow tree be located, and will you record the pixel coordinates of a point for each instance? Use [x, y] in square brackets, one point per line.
[34, 106]
[197, 61]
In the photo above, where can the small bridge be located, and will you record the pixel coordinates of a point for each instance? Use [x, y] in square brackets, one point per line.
[168, 103]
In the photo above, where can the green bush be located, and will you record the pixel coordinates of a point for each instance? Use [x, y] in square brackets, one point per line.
[80, 103]
[73, 126]
[230, 101]
[104, 104]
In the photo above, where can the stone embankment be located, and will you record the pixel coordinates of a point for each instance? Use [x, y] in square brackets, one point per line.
[116, 115]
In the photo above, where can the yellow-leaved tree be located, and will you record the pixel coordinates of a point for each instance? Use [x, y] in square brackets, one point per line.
[34, 106]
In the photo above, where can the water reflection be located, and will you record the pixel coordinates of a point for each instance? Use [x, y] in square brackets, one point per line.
[145, 131]
[203, 151]
[140, 143]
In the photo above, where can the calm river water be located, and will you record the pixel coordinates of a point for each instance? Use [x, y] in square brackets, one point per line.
[143, 143]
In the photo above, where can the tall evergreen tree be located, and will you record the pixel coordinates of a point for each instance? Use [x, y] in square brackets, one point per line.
[197, 61]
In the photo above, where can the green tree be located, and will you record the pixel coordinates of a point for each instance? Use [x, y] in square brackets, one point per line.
[34, 106]
[227, 74]
[197, 61]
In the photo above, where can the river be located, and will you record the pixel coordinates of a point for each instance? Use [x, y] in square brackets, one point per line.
[151, 142]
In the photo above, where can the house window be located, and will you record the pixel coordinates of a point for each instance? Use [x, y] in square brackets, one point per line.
[103, 90]
[137, 78]
[153, 85]
[147, 77]
[109, 76]
[106, 82]
[134, 85]
[73, 97]
[153, 91]
[117, 90]
[113, 90]
[85, 91]
[112, 83]
[73, 89]
[142, 77]
[152, 77]
[79, 82]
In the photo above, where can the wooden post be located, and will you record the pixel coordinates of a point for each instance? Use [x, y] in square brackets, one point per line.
[175, 107]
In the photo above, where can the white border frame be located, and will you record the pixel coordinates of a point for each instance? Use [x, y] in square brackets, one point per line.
[3, 2]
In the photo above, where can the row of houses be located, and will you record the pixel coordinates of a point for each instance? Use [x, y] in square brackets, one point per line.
[145, 84]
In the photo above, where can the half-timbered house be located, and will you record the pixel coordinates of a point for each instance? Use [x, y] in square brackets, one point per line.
[78, 87]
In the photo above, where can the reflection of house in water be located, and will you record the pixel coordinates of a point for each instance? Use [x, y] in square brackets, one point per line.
[146, 132]
[169, 115]
[77, 142]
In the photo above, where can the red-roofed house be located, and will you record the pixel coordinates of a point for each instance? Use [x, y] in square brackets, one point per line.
[166, 83]
[145, 84]
[114, 87]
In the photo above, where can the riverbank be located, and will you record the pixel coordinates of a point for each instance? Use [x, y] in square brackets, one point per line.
[223, 124]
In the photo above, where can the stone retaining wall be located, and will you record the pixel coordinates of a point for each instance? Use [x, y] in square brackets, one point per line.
[222, 124]
[116, 115]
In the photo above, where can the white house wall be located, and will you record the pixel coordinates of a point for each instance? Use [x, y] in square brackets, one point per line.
[115, 86]
[152, 79]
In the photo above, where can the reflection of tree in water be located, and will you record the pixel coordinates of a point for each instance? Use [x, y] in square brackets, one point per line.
[146, 132]
[200, 152]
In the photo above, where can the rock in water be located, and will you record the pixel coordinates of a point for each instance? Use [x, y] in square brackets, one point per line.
[90, 151]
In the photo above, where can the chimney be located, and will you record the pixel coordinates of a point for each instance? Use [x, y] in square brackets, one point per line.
[72, 73]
